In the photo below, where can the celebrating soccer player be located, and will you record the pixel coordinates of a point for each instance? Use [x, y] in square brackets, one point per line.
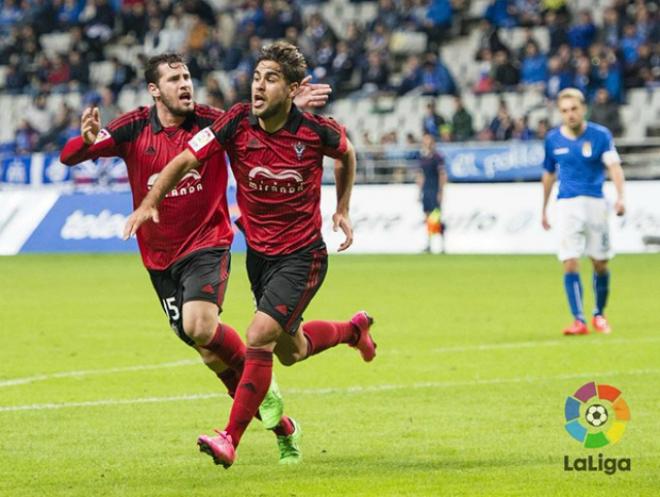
[276, 153]
[583, 151]
[187, 255]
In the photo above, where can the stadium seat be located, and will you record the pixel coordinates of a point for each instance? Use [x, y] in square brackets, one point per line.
[55, 43]
[405, 42]
[634, 127]
[532, 99]
[126, 99]
[100, 73]
[488, 104]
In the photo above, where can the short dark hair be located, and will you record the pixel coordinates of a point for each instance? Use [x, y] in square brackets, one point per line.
[151, 72]
[292, 62]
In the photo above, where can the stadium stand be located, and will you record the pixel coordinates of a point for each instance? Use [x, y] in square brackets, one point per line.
[385, 61]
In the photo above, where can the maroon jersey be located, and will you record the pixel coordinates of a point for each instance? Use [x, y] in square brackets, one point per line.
[278, 175]
[194, 215]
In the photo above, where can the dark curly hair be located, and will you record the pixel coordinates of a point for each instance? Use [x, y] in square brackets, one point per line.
[151, 72]
[292, 62]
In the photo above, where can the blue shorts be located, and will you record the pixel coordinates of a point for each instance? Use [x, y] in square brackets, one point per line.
[430, 200]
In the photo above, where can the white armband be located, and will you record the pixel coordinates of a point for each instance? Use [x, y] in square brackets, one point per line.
[611, 157]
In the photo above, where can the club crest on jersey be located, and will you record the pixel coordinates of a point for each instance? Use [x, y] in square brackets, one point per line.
[586, 149]
[254, 143]
[263, 179]
[300, 150]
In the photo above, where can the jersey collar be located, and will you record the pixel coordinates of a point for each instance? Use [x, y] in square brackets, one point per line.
[157, 127]
[574, 138]
[292, 123]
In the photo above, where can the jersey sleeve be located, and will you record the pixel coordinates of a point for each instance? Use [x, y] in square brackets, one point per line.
[75, 151]
[333, 136]
[215, 138]
[549, 163]
[204, 145]
[109, 141]
[610, 156]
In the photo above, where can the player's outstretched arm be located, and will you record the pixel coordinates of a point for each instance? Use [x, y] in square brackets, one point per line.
[548, 180]
[618, 178]
[311, 95]
[88, 145]
[167, 179]
[344, 179]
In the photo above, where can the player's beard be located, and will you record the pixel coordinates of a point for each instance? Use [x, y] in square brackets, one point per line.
[272, 110]
[175, 108]
[576, 128]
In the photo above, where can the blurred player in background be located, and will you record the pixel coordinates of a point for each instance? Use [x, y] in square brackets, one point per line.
[276, 152]
[187, 256]
[582, 151]
[431, 180]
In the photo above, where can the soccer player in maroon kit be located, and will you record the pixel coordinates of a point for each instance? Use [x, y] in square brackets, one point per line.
[187, 255]
[276, 152]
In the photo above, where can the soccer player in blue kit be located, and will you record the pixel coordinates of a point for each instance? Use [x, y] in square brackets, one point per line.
[580, 152]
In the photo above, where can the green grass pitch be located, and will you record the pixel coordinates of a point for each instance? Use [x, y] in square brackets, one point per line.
[465, 398]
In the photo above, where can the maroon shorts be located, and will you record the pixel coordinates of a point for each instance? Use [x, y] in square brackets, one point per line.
[283, 286]
[202, 275]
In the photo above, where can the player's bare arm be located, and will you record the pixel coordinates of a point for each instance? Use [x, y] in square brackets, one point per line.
[442, 181]
[618, 178]
[344, 178]
[548, 180]
[90, 125]
[310, 95]
[167, 179]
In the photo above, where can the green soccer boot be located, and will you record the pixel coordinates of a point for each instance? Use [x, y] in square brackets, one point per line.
[289, 445]
[271, 409]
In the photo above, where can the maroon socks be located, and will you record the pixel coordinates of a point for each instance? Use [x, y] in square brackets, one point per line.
[251, 391]
[322, 335]
[228, 346]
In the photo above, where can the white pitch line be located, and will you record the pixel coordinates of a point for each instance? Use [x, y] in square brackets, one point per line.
[109, 402]
[544, 343]
[95, 372]
[329, 391]
[458, 348]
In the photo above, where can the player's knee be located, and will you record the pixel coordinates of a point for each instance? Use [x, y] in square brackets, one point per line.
[262, 332]
[257, 337]
[200, 327]
[571, 266]
[600, 267]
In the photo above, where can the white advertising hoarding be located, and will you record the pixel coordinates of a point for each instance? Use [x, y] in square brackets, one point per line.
[500, 218]
[503, 218]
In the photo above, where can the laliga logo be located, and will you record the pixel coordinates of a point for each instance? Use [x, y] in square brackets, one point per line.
[264, 180]
[596, 416]
[190, 183]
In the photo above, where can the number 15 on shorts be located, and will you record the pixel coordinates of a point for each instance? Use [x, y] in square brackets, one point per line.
[171, 309]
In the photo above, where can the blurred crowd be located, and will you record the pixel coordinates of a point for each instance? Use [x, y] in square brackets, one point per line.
[622, 53]
[361, 58]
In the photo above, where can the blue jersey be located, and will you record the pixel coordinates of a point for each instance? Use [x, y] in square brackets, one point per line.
[582, 161]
